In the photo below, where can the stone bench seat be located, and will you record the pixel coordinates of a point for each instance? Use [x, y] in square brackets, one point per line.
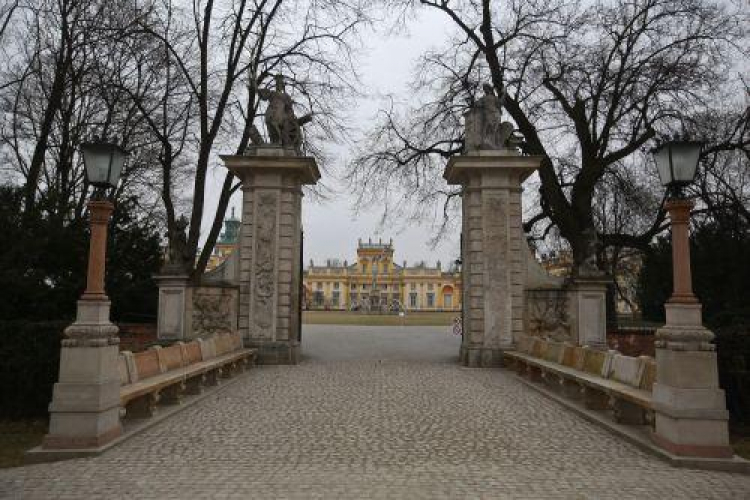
[602, 379]
[614, 388]
[165, 374]
[157, 382]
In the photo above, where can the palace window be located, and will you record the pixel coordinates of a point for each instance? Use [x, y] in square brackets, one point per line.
[385, 286]
[336, 300]
[413, 286]
[335, 286]
[413, 299]
[364, 286]
[364, 268]
[320, 286]
[430, 300]
[429, 286]
[448, 300]
[354, 286]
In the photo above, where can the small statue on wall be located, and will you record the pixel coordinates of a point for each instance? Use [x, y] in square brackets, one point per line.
[484, 126]
[589, 267]
[284, 128]
[177, 259]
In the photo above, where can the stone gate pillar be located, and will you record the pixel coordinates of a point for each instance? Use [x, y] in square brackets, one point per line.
[493, 250]
[269, 249]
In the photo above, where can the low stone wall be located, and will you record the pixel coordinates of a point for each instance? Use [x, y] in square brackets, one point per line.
[188, 311]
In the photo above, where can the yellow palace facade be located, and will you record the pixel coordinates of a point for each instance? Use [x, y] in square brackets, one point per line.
[374, 282]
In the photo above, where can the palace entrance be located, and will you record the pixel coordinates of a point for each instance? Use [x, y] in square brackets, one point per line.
[504, 293]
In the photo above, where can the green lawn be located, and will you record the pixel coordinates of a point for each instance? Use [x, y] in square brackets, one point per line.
[355, 318]
[18, 436]
[742, 447]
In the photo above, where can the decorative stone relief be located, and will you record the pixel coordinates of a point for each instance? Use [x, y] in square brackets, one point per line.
[547, 314]
[496, 251]
[264, 279]
[213, 311]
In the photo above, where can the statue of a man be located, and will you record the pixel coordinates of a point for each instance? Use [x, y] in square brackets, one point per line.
[283, 127]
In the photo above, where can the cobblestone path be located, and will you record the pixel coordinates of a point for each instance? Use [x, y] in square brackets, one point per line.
[372, 428]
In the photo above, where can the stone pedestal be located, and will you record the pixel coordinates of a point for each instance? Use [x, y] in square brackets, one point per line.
[690, 408]
[174, 297]
[588, 310]
[270, 266]
[85, 407]
[494, 250]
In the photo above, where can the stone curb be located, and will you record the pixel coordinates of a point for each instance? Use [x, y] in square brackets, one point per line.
[39, 455]
[641, 438]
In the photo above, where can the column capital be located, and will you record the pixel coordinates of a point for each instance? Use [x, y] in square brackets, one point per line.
[679, 210]
[503, 161]
[305, 168]
[100, 210]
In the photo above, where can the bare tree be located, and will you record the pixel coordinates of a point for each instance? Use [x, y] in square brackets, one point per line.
[589, 86]
[6, 13]
[256, 39]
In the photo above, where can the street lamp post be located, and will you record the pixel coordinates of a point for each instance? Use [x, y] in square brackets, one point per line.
[690, 409]
[85, 407]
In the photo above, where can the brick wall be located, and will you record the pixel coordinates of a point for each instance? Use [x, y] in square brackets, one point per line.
[632, 342]
[137, 336]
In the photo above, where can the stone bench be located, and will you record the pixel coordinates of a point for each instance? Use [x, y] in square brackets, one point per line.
[165, 374]
[603, 380]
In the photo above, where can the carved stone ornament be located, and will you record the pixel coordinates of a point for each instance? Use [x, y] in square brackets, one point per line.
[547, 314]
[212, 311]
[265, 260]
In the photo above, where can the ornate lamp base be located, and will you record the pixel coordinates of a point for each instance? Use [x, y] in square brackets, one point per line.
[690, 407]
[85, 407]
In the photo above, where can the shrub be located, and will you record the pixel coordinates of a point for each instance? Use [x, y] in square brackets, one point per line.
[43, 262]
[733, 352]
[29, 362]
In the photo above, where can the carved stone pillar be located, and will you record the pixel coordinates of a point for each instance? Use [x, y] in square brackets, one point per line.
[494, 250]
[269, 249]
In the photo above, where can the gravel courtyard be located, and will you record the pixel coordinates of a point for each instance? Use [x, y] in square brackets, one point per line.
[373, 413]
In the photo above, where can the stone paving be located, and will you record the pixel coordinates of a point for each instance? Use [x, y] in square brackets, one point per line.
[380, 422]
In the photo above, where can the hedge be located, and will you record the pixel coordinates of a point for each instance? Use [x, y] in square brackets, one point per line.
[733, 352]
[29, 361]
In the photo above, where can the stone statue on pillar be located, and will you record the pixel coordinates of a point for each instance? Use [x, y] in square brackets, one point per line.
[177, 258]
[284, 128]
[589, 267]
[484, 126]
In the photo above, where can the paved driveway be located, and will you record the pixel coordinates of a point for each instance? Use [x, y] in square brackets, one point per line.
[373, 413]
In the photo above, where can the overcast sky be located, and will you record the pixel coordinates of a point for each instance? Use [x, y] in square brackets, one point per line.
[331, 227]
